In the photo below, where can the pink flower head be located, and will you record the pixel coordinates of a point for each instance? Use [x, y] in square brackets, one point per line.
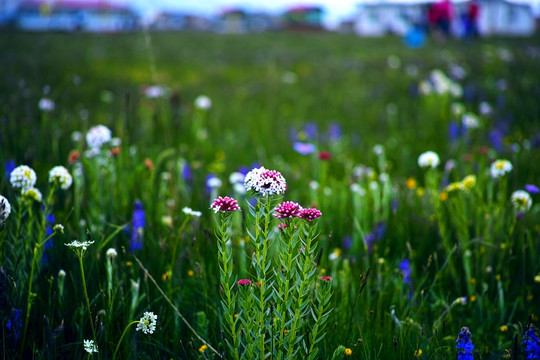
[326, 278]
[287, 209]
[265, 182]
[310, 214]
[224, 204]
[283, 227]
[244, 282]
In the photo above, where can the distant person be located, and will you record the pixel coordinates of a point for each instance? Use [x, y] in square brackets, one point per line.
[445, 16]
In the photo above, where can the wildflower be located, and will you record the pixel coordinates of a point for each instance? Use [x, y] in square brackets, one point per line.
[190, 212]
[443, 196]
[335, 254]
[325, 278]
[58, 228]
[97, 136]
[236, 177]
[503, 328]
[203, 348]
[428, 159]
[138, 223]
[203, 102]
[5, 209]
[46, 104]
[153, 92]
[23, 177]
[149, 164]
[32, 194]
[265, 182]
[500, 168]
[310, 214]
[468, 182]
[457, 109]
[470, 121]
[244, 282]
[304, 148]
[405, 268]
[224, 204]
[531, 343]
[464, 344]
[532, 189]
[191, 272]
[80, 244]
[111, 253]
[348, 352]
[521, 200]
[213, 182]
[147, 323]
[90, 347]
[287, 209]
[61, 176]
[325, 155]
[418, 353]
[411, 183]
[14, 324]
[455, 186]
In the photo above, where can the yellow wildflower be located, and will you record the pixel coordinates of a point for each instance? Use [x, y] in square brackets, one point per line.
[418, 353]
[203, 348]
[411, 183]
[348, 352]
[468, 182]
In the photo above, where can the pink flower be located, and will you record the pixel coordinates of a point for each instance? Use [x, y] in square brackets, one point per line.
[224, 204]
[265, 182]
[287, 209]
[325, 278]
[244, 282]
[310, 214]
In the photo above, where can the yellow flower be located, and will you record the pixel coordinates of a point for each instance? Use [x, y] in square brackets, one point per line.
[418, 353]
[348, 352]
[503, 328]
[411, 183]
[191, 272]
[468, 182]
[203, 348]
[166, 276]
[443, 196]
[473, 298]
[129, 263]
[537, 278]
[420, 192]
[455, 186]
[472, 281]
[498, 277]
[235, 316]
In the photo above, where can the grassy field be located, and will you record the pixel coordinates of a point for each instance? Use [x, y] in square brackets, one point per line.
[414, 253]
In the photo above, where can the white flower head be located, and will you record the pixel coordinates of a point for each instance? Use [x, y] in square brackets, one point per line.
[428, 159]
[378, 149]
[147, 323]
[154, 91]
[214, 182]
[46, 104]
[97, 136]
[111, 253]
[76, 244]
[5, 209]
[470, 121]
[313, 185]
[23, 177]
[203, 102]
[521, 200]
[236, 177]
[61, 273]
[32, 194]
[265, 182]
[500, 168]
[457, 109]
[191, 212]
[58, 228]
[61, 176]
[90, 347]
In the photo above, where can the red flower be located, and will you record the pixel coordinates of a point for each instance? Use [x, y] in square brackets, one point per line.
[326, 278]
[244, 282]
[325, 155]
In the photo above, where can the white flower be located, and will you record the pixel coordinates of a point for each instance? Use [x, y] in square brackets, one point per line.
[58, 228]
[239, 188]
[111, 253]
[457, 109]
[356, 188]
[155, 91]
[484, 108]
[97, 136]
[236, 177]
[334, 255]
[265, 182]
[214, 182]
[147, 323]
[203, 102]
[313, 185]
[521, 200]
[428, 159]
[5, 209]
[115, 142]
[61, 273]
[23, 177]
[78, 244]
[60, 175]
[384, 177]
[189, 211]
[90, 347]
[470, 121]
[76, 136]
[32, 194]
[378, 149]
[46, 104]
[500, 168]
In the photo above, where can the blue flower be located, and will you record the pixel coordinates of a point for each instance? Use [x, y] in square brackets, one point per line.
[531, 344]
[311, 131]
[138, 222]
[464, 344]
[14, 323]
[9, 166]
[405, 267]
[304, 148]
[532, 189]
[334, 132]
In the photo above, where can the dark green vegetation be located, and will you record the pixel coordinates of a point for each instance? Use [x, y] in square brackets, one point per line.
[465, 245]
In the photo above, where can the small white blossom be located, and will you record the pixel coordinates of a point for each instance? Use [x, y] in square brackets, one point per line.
[203, 102]
[236, 177]
[23, 177]
[457, 109]
[428, 159]
[116, 142]
[76, 136]
[356, 188]
[97, 136]
[58, 228]
[378, 149]
[484, 108]
[470, 121]
[32, 194]
[61, 176]
[521, 200]
[214, 182]
[90, 347]
[313, 185]
[46, 104]
[189, 211]
[80, 244]
[500, 168]
[147, 323]
[111, 253]
[61, 273]
[265, 182]
[5, 209]
[154, 91]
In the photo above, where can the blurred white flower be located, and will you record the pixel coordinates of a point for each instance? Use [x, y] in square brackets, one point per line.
[46, 104]
[23, 177]
[500, 168]
[521, 200]
[214, 182]
[76, 136]
[97, 136]
[236, 177]
[154, 91]
[32, 194]
[111, 253]
[5, 209]
[484, 108]
[470, 121]
[289, 77]
[428, 159]
[203, 102]
[188, 211]
[61, 176]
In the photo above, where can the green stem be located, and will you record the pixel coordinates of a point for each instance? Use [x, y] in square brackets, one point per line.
[122, 337]
[86, 297]
[29, 297]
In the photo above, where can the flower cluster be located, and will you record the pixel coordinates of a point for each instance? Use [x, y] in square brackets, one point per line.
[23, 177]
[32, 194]
[521, 200]
[310, 214]
[5, 209]
[287, 209]
[428, 159]
[203, 102]
[224, 204]
[147, 323]
[464, 344]
[46, 104]
[80, 244]
[531, 344]
[61, 176]
[500, 168]
[189, 211]
[265, 182]
[325, 278]
[244, 282]
[97, 136]
[90, 347]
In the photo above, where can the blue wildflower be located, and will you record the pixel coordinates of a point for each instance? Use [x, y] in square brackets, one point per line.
[405, 267]
[531, 344]
[186, 173]
[138, 222]
[455, 131]
[14, 323]
[9, 166]
[532, 189]
[347, 242]
[334, 132]
[49, 223]
[304, 148]
[369, 239]
[311, 131]
[464, 344]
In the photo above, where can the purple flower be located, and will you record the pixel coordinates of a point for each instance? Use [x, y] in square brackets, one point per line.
[334, 132]
[186, 173]
[14, 324]
[369, 239]
[405, 268]
[224, 204]
[138, 223]
[287, 209]
[532, 189]
[347, 242]
[310, 214]
[531, 344]
[304, 148]
[464, 344]
[455, 131]
[311, 131]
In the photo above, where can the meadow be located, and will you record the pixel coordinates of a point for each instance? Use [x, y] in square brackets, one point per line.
[424, 165]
